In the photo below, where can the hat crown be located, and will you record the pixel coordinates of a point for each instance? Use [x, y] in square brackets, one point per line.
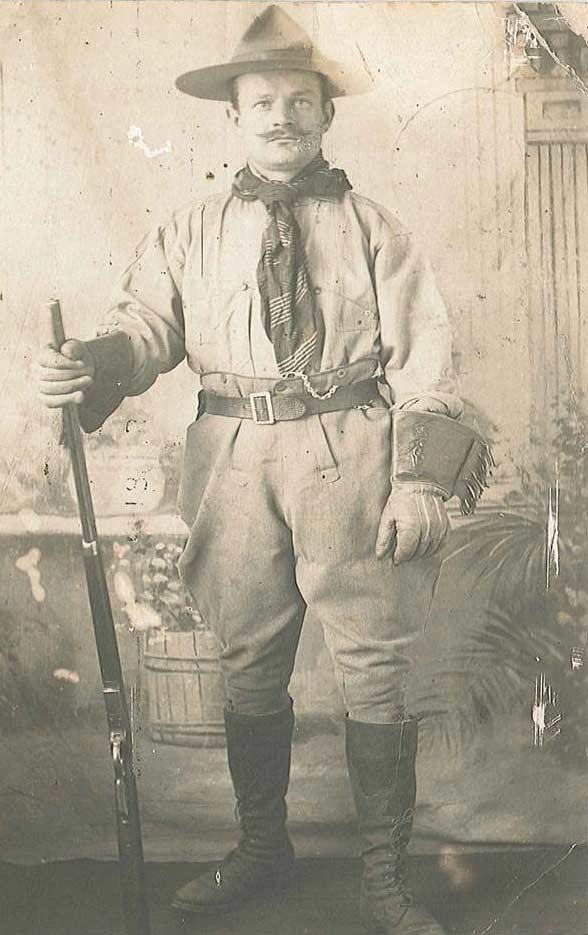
[273, 42]
[270, 32]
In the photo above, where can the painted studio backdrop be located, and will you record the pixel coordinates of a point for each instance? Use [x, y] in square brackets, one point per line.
[476, 134]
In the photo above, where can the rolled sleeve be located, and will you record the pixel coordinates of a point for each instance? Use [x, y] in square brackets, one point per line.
[142, 333]
[147, 306]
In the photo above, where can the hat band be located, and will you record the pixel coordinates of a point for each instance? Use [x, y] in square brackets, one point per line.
[299, 57]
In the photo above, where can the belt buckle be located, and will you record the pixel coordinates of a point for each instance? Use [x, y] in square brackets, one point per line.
[262, 408]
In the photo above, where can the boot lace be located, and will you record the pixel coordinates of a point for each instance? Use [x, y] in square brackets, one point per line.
[395, 878]
[388, 869]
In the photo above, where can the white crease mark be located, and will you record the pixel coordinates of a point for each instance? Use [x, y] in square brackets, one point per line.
[441, 97]
[545, 45]
[552, 551]
[525, 890]
[576, 658]
[367, 68]
[520, 37]
[135, 136]
[28, 564]
[545, 698]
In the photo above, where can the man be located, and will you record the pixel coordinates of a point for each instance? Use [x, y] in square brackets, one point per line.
[325, 445]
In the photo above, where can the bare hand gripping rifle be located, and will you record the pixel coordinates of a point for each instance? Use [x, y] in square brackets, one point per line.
[130, 847]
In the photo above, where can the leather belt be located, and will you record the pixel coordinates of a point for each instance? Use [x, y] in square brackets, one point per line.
[265, 408]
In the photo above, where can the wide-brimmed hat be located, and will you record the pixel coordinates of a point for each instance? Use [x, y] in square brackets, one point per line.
[272, 42]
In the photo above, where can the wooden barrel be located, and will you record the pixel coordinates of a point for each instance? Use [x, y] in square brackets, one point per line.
[184, 689]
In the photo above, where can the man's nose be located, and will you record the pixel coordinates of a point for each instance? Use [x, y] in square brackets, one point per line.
[283, 113]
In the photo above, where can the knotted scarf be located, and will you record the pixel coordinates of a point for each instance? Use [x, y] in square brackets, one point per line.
[289, 314]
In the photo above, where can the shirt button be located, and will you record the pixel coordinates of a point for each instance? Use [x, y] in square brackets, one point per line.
[317, 290]
[223, 378]
[280, 387]
[341, 372]
[245, 286]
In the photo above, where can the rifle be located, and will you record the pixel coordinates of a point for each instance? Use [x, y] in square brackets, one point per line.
[130, 846]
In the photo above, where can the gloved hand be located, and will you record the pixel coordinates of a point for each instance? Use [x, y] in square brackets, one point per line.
[414, 522]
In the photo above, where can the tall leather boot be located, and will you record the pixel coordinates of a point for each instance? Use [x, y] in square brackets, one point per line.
[381, 760]
[258, 752]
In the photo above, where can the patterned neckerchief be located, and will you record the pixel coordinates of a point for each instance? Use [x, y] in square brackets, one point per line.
[290, 318]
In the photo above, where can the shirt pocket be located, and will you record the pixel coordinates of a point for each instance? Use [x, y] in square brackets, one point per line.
[350, 314]
[223, 311]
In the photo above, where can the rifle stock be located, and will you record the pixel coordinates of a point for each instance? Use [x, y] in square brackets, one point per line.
[130, 847]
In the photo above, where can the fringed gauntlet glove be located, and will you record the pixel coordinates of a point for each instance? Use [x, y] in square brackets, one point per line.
[113, 360]
[433, 459]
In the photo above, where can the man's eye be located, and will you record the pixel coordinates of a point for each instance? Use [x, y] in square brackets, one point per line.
[302, 102]
[262, 105]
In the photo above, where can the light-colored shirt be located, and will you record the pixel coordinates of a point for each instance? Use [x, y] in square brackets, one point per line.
[191, 291]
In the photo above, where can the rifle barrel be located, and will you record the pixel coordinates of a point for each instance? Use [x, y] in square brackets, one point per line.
[130, 845]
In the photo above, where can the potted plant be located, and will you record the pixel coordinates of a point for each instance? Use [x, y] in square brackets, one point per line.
[558, 483]
[522, 644]
[184, 684]
[489, 635]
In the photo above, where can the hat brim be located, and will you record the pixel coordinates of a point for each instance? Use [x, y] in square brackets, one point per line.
[214, 82]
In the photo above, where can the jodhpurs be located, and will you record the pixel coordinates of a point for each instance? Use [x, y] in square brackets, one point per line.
[283, 517]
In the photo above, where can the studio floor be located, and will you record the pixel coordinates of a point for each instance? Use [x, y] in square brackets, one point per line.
[502, 891]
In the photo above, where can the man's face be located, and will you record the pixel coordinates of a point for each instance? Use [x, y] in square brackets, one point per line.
[281, 116]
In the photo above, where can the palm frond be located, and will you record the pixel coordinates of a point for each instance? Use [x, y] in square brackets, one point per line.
[495, 639]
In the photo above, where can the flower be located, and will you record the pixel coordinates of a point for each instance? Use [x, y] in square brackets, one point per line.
[121, 551]
[164, 601]
[66, 675]
[171, 600]
[123, 587]
[142, 617]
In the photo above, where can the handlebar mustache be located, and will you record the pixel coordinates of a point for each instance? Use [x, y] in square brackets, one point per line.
[282, 135]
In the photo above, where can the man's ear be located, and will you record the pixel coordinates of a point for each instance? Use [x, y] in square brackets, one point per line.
[233, 115]
[329, 113]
